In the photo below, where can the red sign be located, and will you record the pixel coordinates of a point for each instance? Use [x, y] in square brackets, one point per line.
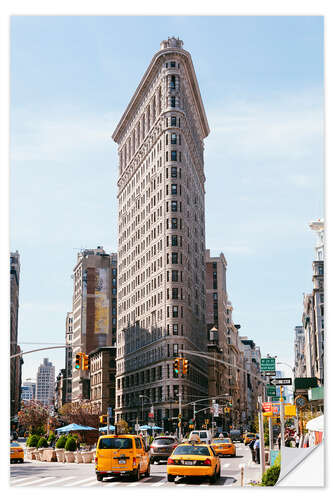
[266, 407]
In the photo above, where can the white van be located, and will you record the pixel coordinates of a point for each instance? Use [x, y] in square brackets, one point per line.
[204, 436]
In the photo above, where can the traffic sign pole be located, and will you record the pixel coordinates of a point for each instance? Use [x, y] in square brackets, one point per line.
[261, 436]
[270, 430]
[282, 415]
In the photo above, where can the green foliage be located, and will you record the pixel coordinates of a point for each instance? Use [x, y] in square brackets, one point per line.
[75, 436]
[271, 476]
[51, 436]
[32, 440]
[61, 442]
[70, 444]
[42, 443]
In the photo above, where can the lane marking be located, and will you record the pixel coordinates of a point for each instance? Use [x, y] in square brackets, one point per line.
[36, 481]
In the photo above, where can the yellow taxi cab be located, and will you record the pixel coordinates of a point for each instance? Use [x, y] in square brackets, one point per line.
[16, 452]
[121, 455]
[193, 459]
[248, 437]
[224, 446]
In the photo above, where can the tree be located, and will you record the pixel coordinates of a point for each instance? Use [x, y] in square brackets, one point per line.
[80, 412]
[33, 416]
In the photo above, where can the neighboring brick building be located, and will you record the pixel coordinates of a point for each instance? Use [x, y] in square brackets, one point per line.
[103, 378]
[161, 258]
[94, 310]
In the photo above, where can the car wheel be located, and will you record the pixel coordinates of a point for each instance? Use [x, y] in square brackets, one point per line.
[99, 477]
[171, 478]
[147, 473]
[212, 479]
[21, 461]
[136, 475]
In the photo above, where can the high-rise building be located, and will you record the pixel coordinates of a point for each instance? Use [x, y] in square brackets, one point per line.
[15, 363]
[94, 310]
[254, 386]
[45, 383]
[28, 390]
[67, 379]
[161, 259]
[103, 378]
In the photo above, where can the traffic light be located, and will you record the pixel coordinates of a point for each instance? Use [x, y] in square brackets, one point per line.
[103, 419]
[85, 362]
[78, 358]
[176, 367]
[185, 366]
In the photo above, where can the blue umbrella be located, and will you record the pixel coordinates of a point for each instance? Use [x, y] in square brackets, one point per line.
[153, 427]
[75, 427]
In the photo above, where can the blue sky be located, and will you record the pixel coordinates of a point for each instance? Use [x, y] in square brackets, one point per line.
[261, 80]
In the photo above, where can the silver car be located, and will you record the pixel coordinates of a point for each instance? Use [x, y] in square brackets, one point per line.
[162, 447]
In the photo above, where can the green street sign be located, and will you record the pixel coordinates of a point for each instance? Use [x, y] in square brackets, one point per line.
[267, 365]
[271, 390]
[277, 398]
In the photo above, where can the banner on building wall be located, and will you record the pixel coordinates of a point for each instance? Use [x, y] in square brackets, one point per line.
[101, 302]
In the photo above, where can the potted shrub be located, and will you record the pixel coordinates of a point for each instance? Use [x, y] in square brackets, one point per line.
[87, 456]
[70, 447]
[32, 442]
[60, 448]
[41, 445]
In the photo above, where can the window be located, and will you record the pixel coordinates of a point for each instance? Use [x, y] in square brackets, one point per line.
[173, 82]
[175, 329]
[175, 308]
[174, 241]
[174, 294]
[173, 101]
[173, 138]
[114, 272]
[175, 352]
[173, 155]
[174, 258]
[174, 172]
[172, 64]
[173, 188]
[174, 206]
[174, 223]
[174, 275]
[173, 121]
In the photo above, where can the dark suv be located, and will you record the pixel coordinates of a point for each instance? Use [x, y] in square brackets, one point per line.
[162, 447]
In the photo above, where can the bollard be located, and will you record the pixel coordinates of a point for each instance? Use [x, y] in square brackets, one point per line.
[241, 466]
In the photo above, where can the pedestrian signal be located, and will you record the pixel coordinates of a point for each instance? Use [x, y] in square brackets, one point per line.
[85, 362]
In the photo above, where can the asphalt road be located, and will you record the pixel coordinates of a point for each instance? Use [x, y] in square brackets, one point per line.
[44, 474]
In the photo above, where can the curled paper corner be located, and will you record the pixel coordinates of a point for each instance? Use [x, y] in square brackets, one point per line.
[302, 466]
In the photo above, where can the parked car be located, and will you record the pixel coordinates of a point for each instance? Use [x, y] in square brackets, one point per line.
[162, 447]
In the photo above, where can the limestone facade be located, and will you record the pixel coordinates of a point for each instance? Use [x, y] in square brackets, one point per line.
[161, 258]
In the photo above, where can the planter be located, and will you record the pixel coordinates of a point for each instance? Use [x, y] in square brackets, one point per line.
[87, 457]
[60, 454]
[31, 453]
[78, 457]
[69, 457]
[49, 455]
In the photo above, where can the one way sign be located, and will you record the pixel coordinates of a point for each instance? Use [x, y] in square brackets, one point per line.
[281, 381]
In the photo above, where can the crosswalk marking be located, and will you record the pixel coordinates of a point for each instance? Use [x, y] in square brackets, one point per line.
[159, 483]
[59, 480]
[113, 484]
[226, 465]
[14, 481]
[36, 481]
[82, 481]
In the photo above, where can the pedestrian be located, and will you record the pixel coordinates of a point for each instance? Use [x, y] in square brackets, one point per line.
[256, 448]
[297, 440]
[253, 453]
[279, 441]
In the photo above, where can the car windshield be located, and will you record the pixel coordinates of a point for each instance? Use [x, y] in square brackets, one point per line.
[203, 434]
[226, 440]
[115, 444]
[163, 441]
[250, 435]
[191, 450]
[14, 444]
